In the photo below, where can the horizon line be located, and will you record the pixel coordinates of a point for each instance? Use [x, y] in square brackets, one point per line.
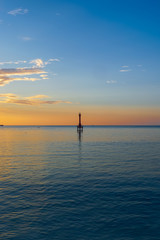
[88, 125]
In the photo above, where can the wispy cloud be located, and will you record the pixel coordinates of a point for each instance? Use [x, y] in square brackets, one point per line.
[37, 63]
[12, 62]
[8, 95]
[26, 38]
[52, 60]
[125, 70]
[44, 76]
[41, 96]
[33, 100]
[10, 75]
[124, 66]
[111, 81]
[40, 63]
[20, 71]
[18, 11]
[7, 80]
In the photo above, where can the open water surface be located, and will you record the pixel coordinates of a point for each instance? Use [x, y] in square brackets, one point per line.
[102, 185]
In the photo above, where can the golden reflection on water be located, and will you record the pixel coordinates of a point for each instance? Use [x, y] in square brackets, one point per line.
[26, 152]
[23, 150]
[13, 137]
[51, 175]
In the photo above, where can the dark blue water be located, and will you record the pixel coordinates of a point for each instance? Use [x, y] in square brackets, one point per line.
[55, 184]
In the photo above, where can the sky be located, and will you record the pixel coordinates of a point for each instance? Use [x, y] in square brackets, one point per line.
[62, 57]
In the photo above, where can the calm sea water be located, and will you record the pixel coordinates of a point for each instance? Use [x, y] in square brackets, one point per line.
[103, 185]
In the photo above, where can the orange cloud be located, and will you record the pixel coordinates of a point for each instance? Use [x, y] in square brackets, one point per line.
[20, 71]
[33, 100]
[6, 73]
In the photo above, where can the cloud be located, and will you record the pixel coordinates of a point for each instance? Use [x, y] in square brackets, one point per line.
[125, 70]
[44, 76]
[37, 96]
[6, 80]
[20, 61]
[124, 66]
[33, 100]
[40, 64]
[52, 60]
[26, 38]
[111, 81]
[6, 75]
[18, 11]
[3, 63]
[37, 62]
[10, 62]
[20, 71]
[8, 95]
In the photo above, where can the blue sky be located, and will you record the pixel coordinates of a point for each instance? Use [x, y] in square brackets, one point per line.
[94, 53]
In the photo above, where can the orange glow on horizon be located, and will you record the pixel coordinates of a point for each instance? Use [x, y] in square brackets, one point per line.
[91, 115]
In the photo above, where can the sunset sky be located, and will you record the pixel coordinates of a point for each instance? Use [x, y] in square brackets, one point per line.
[62, 57]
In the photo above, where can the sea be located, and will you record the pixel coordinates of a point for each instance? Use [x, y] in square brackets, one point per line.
[99, 184]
